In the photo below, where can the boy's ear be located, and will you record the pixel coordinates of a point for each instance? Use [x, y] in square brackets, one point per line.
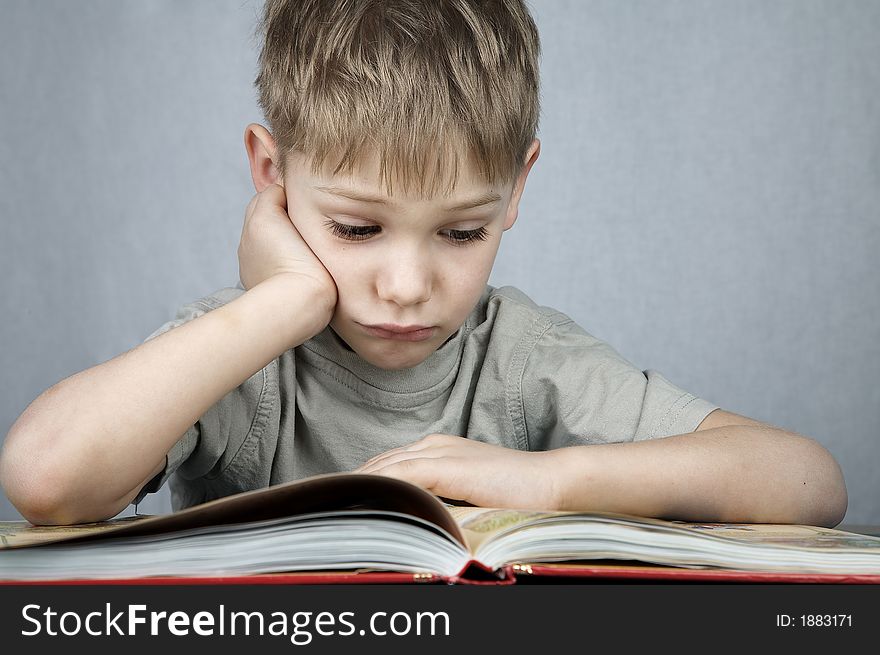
[262, 154]
[518, 186]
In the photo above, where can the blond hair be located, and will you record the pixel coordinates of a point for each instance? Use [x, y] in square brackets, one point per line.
[419, 83]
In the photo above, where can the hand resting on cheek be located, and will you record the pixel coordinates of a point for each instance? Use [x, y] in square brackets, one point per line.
[272, 246]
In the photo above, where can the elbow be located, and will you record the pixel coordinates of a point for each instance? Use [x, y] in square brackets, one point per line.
[840, 511]
[45, 504]
[830, 500]
[30, 492]
[24, 477]
[837, 504]
[38, 491]
[38, 510]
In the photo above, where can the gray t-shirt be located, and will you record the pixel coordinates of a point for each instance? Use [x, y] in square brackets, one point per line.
[515, 374]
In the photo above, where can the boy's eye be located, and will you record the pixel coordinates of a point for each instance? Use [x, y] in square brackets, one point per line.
[352, 232]
[467, 236]
[362, 232]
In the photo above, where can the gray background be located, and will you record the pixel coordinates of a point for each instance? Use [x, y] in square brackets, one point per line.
[707, 199]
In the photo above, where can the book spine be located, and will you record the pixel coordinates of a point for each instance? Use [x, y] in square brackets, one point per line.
[476, 573]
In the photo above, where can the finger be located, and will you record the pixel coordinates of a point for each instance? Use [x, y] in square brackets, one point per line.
[275, 194]
[396, 458]
[421, 444]
[440, 477]
[406, 451]
[378, 457]
[442, 444]
[249, 211]
[381, 462]
[425, 472]
[268, 201]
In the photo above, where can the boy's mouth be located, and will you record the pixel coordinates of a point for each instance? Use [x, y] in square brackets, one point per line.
[399, 332]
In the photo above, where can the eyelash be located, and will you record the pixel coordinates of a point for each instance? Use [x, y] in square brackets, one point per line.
[363, 232]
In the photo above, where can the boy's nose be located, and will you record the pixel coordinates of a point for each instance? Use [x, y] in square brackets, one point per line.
[405, 281]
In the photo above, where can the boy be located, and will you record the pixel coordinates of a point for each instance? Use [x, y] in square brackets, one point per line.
[363, 335]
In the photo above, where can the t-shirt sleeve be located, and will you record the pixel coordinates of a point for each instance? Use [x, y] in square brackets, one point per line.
[576, 389]
[200, 450]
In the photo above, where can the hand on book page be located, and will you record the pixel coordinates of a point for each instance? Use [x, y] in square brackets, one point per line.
[474, 472]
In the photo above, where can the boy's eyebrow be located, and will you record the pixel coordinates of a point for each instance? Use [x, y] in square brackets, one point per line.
[486, 199]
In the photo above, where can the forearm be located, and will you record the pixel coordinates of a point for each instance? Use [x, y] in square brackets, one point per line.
[727, 474]
[80, 448]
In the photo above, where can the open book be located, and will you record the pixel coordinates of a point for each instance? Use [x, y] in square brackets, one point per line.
[357, 527]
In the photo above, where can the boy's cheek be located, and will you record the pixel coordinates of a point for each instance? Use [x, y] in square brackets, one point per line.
[321, 245]
[337, 265]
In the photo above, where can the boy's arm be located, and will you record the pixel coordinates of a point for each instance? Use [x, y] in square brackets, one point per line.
[84, 448]
[731, 469]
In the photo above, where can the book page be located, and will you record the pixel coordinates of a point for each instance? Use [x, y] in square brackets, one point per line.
[479, 523]
[501, 537]
[14, 534]
[795, 536]
[319, 493]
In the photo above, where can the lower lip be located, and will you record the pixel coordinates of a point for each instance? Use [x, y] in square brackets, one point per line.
[415, 335]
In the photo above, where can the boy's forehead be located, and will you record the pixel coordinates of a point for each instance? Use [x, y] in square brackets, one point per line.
[364, 183]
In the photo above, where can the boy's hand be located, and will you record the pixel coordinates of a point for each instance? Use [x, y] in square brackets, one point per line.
[271, 245]
[475, 472]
